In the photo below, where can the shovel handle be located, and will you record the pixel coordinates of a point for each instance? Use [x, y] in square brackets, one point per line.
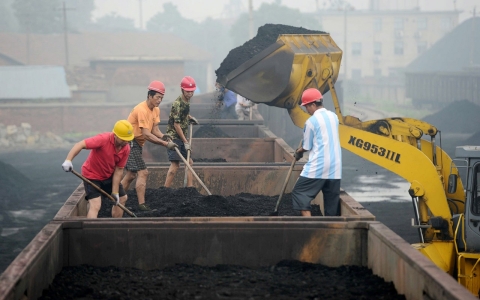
[188, 154]
[104, 193]
[287, 179]
[191, 170]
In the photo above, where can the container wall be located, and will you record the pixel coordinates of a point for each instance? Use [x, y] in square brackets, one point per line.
[131, 243]
[414, 275]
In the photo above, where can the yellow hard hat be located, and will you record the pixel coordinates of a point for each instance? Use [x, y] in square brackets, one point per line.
[123, 130]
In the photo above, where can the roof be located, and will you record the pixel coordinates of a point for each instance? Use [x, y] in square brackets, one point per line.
[33, 82]
[387, 12]
[456, 51]
[49, 49]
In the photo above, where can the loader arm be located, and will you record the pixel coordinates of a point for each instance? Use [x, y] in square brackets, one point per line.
[278, 75]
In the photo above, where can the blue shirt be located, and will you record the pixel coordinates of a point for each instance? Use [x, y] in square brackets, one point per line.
[230, 98]
[321, 138]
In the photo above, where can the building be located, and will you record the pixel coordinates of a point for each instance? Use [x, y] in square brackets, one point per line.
[111, 67]
[33, 84]
[449, 70]
[380, 42]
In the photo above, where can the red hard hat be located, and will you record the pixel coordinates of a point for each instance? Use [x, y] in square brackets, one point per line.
[157, 86]
[188, 84]
[311, 95]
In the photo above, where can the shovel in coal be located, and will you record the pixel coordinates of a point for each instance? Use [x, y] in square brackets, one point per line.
[131, 214]
[191, 170]
[275, 212]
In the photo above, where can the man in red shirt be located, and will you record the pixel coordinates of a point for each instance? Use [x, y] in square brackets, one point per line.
[104, 165]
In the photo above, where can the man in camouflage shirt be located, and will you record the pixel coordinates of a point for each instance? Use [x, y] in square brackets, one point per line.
[177, 128]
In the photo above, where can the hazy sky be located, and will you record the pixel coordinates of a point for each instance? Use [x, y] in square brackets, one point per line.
[199, 10]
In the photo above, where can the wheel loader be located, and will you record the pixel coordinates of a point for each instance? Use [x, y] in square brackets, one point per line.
[446, 213]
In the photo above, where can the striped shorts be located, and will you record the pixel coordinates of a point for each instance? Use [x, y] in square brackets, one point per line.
[135, 160]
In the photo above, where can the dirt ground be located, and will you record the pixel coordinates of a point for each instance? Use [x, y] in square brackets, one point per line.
[285, 280]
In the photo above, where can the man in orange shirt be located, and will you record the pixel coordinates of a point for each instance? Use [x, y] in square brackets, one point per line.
[145, 118]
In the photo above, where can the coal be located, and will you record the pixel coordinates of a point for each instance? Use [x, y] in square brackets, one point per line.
[266, 36]
[188, 202]
[288, 279]
[210, 131]
[458, 117]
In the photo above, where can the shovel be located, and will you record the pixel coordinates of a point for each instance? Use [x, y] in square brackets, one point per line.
[191, 170]
[188, 154]
[131, 214]
[275, 212]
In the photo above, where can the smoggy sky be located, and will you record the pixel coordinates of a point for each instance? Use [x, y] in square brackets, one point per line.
[200, 10]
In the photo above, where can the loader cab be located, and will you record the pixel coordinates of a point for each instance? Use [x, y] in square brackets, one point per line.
[470, 174]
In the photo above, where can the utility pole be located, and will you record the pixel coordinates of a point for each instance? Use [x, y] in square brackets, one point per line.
[65, 33]
[251, 31]
[141, 13]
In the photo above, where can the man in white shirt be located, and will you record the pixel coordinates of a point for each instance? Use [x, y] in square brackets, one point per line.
[323, 171]
[242, 108]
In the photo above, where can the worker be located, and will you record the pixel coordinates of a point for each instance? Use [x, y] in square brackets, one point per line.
[323, 171]
[145, 118]
[226, 102]
[242, 108]
[104, 166]
[177, 128]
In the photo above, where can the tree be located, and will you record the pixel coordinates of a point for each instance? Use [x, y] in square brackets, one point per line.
[79, 14]
[39, 16]
[211, 35]
[273, 13]
[114, 22]
[170, 20]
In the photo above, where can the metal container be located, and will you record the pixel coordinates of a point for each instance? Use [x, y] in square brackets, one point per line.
[331, 241]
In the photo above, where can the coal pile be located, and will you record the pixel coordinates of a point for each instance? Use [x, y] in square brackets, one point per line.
[188, 202]
[458, 117]
[210, 131]
[266, 36]
[287, 279]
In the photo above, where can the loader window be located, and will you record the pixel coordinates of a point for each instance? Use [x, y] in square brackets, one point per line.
[398, 23]
[476, 192]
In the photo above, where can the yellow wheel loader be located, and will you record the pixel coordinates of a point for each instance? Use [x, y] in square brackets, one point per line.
[446, 213]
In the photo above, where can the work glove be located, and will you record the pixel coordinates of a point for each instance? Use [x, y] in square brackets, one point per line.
[117, 198]
[171, 145]
[298, 155]
[167, 137]
[67, 166]
[188, 147]
[193, 121]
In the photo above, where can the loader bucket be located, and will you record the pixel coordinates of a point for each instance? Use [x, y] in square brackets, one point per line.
[278, 75]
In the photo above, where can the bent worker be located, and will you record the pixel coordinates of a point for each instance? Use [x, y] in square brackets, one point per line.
[177, 128]
[104, 166]
[243, 107]
[323, 171]
[145, 118]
